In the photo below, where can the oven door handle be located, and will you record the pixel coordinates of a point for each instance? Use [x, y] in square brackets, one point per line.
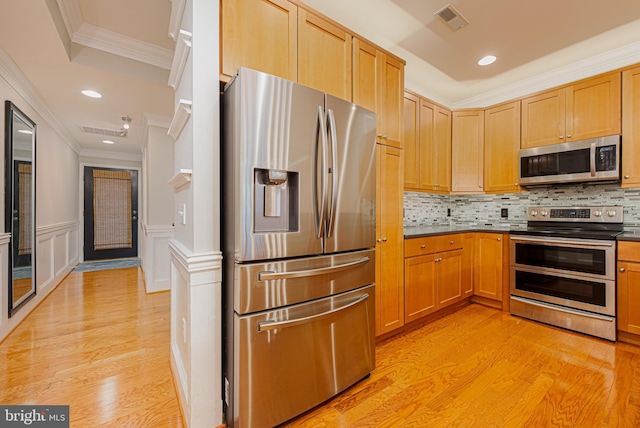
[272, 325]
[565, 310]
[565, 243]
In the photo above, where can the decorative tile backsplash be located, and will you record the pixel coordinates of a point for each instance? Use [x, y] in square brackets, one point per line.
[422, 209]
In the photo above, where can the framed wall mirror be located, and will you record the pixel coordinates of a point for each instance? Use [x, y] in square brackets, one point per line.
[19, 217]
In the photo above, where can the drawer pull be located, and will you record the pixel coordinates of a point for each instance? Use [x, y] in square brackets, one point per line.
[621, 269]
[423, 246]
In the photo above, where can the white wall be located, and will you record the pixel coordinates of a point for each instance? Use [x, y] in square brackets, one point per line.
[57, 220]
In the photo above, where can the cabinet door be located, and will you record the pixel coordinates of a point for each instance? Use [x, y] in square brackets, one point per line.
[259, 34]
[390, 236]
[468, 253]
[324, 56]
[420, 287]
[631, 128]
[543, 119]
[501, 148]
[449, 274]
[427, 141]
[467, 151]
[365, 74]
[629, 297]
[390, 102]
[488, 266]
[411, 142]
[442, 158]
[593, 107]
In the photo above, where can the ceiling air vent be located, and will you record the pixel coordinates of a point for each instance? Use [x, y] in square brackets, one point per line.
[100, 131]
[452, 17]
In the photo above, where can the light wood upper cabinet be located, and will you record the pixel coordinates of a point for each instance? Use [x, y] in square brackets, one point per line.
[631, 128]
[501, 148]
[435, 147]
[467, 151]
[378, 84]
[324, 55]
[410, 117]
[259, 34]
[389, 237]
[629, 287]
[586, 109]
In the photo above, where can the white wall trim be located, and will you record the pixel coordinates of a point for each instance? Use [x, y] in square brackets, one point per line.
[181, 180]
[181, 54]
[5, 238]
[71, 15]
[104, 154]
[181, 115]
[18, 81]
[56, 227]
[124, 46]
[177, 12]
[608, 61]
[195, 263]
[155, 256]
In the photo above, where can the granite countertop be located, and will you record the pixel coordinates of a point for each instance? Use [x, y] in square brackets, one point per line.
[422, 231]
[430, 230]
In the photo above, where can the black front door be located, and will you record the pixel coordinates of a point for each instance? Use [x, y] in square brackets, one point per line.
[110, 213]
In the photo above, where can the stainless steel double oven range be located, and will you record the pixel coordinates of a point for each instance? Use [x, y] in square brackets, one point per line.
[563, 268]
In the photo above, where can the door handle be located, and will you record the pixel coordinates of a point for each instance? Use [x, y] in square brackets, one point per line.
[321, 135]
[272, 325]
[592, 159]
[270, 275]
[334, 172]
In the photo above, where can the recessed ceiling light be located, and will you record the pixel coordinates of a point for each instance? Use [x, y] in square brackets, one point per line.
[92, 94]
[108, 142]
[489, 59]
[25, 131]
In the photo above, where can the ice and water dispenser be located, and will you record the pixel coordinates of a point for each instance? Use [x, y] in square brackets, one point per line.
[276, 196]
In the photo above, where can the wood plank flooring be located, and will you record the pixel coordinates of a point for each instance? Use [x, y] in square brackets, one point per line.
[101, 345]
[482, 368]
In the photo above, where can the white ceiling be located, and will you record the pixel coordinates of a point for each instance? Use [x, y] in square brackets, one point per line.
[121, 48]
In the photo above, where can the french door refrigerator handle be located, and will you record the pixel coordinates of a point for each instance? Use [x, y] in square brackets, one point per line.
[334, 172]
[270, 275]
[321, 134]
[272, 325]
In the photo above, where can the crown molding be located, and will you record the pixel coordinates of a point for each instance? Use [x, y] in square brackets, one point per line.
[124, 46]
[175, 20]
[180, 117]
[19, 82]
[180, 57]
[150, 119]
[608, 61]
[181, 180]
[105, 154]
[71, 15]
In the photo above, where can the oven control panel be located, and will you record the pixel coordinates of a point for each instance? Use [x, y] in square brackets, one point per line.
[578, 214]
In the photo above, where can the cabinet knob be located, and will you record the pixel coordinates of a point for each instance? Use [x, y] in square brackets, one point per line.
[561, 137]
[621, 269]
[499, 239]
[380, 135]
[479, 187]
[626, 176]
[568, 135]
[384, 137]
[452, 242]
[384, 239]
[423, 246]
[516, 184]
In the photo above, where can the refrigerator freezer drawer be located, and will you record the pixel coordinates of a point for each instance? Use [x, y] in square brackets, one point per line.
[272, 284]
[292, 359]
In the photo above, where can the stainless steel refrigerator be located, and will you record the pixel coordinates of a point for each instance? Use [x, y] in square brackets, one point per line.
[298, 199]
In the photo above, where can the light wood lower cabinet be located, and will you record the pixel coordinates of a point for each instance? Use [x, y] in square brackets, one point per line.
[390, 236]
[488, 270]
[629, 287]
[434, 274]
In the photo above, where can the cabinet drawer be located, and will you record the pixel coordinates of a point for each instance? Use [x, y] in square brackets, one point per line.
[420, 246]
[449, 242]
[629, 251]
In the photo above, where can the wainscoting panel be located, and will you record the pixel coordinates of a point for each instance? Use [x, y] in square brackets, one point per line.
[155, 257]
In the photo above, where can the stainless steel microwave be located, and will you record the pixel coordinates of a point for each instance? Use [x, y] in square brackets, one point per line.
[597, 159]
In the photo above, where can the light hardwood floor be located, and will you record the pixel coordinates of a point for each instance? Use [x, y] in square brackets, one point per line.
[101, 345]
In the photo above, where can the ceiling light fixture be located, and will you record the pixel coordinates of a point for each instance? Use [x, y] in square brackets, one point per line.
[108, 142]
[92, 94]
[125, 126]
[489, 59]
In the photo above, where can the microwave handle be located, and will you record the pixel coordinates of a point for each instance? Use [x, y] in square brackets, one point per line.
[592, 159]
